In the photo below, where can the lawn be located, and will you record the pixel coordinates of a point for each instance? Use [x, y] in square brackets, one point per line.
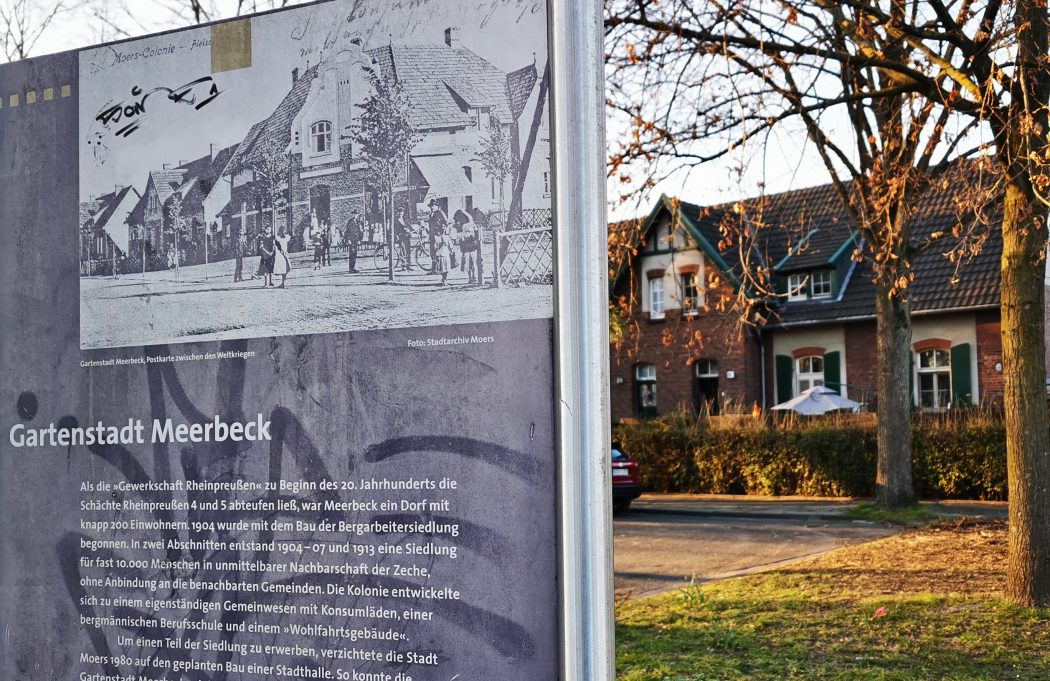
[926, 604]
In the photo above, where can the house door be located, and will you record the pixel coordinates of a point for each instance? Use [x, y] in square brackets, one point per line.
[321, 204]
[705, 387]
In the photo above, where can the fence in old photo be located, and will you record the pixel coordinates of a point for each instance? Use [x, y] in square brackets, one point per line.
[527, 256]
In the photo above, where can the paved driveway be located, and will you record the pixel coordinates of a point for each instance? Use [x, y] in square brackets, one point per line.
[656, 552]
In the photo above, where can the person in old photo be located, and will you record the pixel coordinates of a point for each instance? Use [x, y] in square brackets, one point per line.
[281, 264]
[443, 258]
[436, 228]
[353, 239]
[326, 244]
[403, 238]
[468, 246]
[267, 254]
[317, 244]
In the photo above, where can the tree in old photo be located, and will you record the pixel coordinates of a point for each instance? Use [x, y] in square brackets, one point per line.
[385, 137]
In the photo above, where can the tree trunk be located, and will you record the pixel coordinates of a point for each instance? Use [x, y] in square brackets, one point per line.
[504, 219]
[390, 233]
[1024, 397]
[893, 480]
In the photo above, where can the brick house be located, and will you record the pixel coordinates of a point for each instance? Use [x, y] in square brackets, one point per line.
[457, 96]
[199, 186]
[689, 350]
[104, 231]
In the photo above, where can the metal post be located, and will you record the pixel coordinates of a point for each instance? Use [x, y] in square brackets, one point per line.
[585, 530]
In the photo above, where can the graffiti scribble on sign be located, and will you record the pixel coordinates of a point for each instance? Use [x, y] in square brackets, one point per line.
[127, 116]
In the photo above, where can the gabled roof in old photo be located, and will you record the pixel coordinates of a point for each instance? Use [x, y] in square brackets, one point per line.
[276, 129]
[440, 79]
[110, 220]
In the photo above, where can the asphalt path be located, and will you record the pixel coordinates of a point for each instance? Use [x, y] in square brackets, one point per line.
[655, 552]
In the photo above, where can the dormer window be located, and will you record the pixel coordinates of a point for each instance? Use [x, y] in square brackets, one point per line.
[321, 137]
[820, 284]
[797, 287]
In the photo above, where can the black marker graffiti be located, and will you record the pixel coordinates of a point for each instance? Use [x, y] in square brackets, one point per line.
[130, 114]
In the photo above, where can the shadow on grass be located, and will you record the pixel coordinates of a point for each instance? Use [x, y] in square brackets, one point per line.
[800, 625]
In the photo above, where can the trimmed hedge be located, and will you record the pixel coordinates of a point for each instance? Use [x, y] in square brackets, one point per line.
[954, 457]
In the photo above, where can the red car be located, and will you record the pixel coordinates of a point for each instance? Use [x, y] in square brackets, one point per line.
[625, 487]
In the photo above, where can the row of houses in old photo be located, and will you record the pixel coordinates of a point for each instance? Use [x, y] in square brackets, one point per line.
[222, 200]
[687, 349]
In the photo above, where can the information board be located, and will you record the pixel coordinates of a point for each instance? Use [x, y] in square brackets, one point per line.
[280, 392]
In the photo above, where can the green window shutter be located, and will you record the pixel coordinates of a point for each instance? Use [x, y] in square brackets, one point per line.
[962, 381]
[785, 378]
[833, 371]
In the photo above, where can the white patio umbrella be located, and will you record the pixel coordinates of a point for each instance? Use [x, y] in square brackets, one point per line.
[817, 400]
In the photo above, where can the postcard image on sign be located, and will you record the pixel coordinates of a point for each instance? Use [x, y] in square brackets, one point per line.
[322, 170]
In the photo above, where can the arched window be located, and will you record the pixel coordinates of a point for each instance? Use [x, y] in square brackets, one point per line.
[809, 373]
[645, 389]
[934, 378]
[321, 137]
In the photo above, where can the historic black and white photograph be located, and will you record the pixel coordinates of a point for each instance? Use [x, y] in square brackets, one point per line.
[316, 171]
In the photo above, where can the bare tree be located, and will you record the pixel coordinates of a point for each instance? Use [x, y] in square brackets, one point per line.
[815, 64]
[24, 22]
[177, 226]
[901, 74]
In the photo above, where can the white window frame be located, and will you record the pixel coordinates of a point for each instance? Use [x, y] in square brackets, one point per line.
[691, 304]
[707, 368]
[656, 298]
[820, 284]
[806, 376]
[797, 287]
[645, 375]
[320, 133]
[938, 373]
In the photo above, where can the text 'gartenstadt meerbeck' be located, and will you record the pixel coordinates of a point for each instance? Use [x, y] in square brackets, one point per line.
[134, 432]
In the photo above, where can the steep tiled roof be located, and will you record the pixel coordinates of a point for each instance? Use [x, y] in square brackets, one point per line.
[277, 127]
[933, 289]
[167, 182]
[88, 209]
[433, 77]
[520, 84]
[205, 171]
[138, 213]
[811, 226]
[106, 218]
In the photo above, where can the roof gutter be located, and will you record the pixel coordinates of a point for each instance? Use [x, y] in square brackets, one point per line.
[861, 318]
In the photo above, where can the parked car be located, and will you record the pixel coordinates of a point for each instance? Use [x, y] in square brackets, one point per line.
[625, 487]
